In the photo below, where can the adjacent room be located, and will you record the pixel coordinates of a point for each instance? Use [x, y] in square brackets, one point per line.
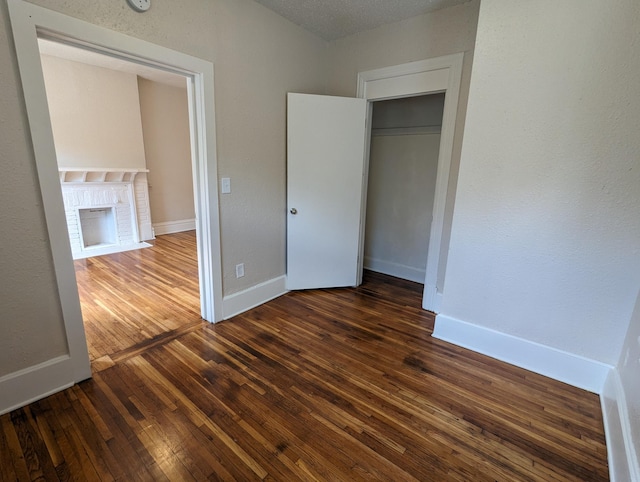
[502, 193]
[122, 138]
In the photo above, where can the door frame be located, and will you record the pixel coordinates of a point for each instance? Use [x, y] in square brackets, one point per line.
[29, 22]
[436, 75]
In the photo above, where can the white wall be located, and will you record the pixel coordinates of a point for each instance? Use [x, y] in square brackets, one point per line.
[95, 115]
[165, 126]
[435, 34]
[546, 232]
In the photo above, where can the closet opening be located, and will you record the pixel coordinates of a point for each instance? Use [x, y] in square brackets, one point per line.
[403, 164]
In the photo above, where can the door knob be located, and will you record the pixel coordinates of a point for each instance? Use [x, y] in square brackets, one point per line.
[293, 211]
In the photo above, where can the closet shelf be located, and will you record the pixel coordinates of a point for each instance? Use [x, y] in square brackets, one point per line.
[406, 131]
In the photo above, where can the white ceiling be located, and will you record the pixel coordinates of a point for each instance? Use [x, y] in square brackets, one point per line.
[333, 19]
[56, 49]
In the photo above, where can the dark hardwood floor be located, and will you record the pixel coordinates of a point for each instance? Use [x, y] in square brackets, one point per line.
[343, 384]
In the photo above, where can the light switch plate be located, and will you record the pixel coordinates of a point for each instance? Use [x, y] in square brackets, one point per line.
[226, 185]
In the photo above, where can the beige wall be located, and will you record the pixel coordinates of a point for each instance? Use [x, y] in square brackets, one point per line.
[95, 115]
[30, 314]
[442, 32]
[258, 57]
[261, 58]
[165, 126]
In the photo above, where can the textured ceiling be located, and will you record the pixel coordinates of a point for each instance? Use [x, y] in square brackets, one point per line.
[332, 19]
[329, 19]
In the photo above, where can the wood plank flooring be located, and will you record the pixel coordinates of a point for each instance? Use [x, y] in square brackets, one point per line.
[136, 298]
[342, 384]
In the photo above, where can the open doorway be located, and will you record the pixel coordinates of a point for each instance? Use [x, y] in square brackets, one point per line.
[122, 139]
[30, 22]
[328, 144]
[403, 163]
[439, 75]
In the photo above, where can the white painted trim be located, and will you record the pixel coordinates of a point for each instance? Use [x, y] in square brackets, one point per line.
[25, 19]
[417, 83]
[169, 227]
[438, 301]
[432, 299]
[436, 63]
[623, 462]
[34, 383]
[205, 177]
[242, 301]
[105, 170]
[417, 78]
[394, 269]
[364, 188]
[627, 432]
[566, 367]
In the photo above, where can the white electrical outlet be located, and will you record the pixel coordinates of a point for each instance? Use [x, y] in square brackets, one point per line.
[239, 270]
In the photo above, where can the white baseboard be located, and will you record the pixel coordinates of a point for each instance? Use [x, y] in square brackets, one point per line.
[623, 462]
[242, 301]
[394, 269]
[568, 368]
[34, 383]
[170, 227]
[113, 249]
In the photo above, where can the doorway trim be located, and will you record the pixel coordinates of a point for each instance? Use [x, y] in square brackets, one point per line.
[439, 74]
[30, 22]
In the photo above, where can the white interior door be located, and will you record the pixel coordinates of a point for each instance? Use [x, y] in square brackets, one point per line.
[325, 167]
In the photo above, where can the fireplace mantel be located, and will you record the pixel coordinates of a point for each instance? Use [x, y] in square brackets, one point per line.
[109, 174]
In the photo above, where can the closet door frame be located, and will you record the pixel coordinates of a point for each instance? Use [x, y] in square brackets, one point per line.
[430, 76]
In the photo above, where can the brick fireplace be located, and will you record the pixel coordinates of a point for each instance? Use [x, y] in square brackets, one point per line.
[107, 210]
